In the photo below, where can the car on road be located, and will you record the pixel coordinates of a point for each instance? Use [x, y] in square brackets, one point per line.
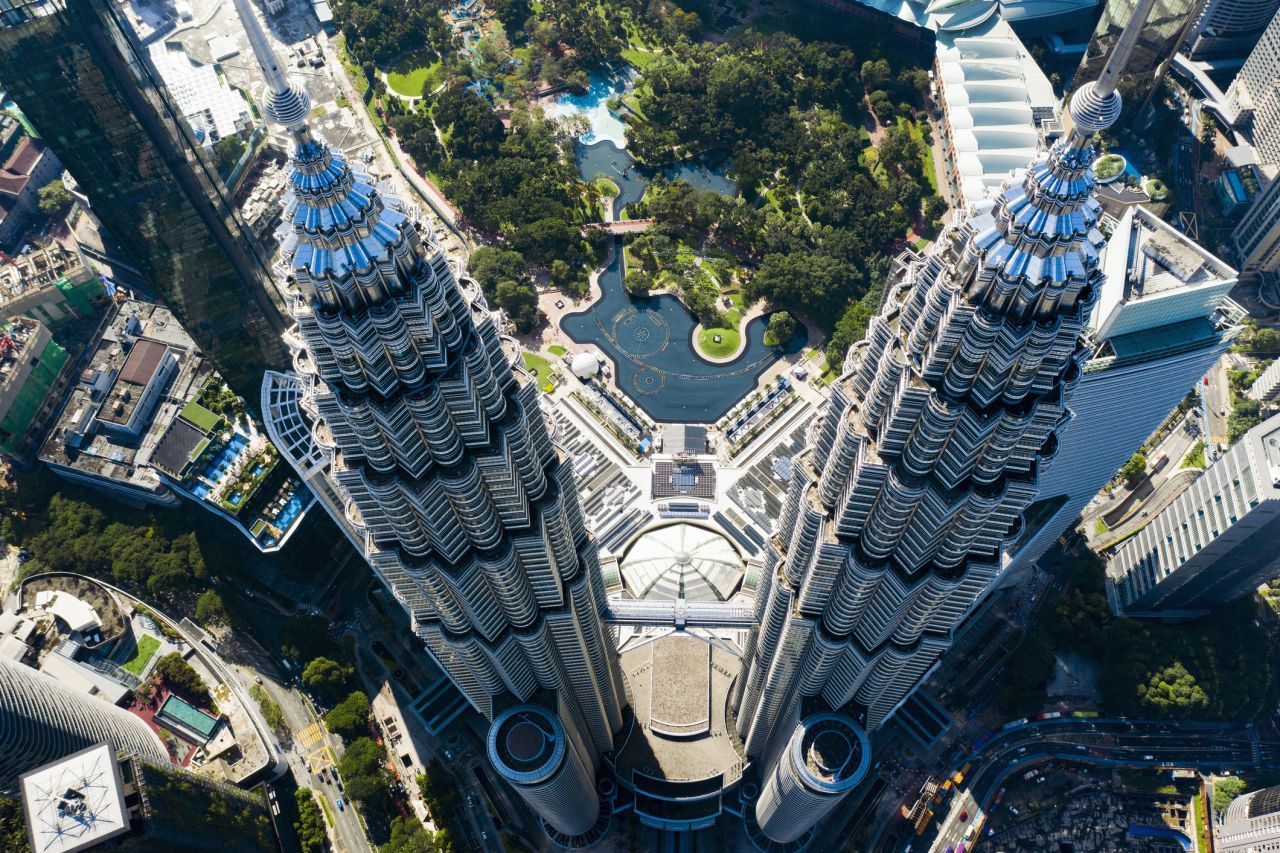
[964, 815]
[341, 808]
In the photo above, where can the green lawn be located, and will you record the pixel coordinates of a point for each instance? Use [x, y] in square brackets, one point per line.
[142, 655]
[409, 76]
[541, 369]
[727, 346]
[557, 350]
[641, 59]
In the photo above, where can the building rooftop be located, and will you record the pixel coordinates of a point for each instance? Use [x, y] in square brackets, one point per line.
[76, 802]
[40, 267]
[76, 442]
[1156, 276]
[682, 561]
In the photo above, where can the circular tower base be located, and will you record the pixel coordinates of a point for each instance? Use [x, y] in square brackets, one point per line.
[764, 843]
[582, 840]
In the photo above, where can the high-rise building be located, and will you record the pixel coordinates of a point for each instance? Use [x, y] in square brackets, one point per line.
[437, 456]
[918, 471]
[103, 793]
[1161, 323]
[1215, 543]
[90, 89]
[1230, 28]
[1256, 90]
[1257, 236]
[1163, 33]
[43, 720]
[1252, 823]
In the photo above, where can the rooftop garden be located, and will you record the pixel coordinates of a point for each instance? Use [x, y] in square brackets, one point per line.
[1109, 166]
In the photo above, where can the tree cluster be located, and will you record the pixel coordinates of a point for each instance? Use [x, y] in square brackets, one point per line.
[365, 775]
[1134, 468]
[440, 794]
[1224, 791]
[310, 826]
[410, 836]
[519, 184]
[13, 827]
[329, 678]
[179, 675]
[73, 536]
[780, 329]
[54, 198]
[350, 717]
[1221, 667]
[788, 114]
[1246, 413]
[210, 609]
[384, 30]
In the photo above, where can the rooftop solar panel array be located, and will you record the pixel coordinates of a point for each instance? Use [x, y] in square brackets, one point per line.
[684, 479]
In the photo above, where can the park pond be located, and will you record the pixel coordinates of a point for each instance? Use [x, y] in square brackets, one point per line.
[650, 338]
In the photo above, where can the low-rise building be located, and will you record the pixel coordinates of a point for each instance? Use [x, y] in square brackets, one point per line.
[134, 427]
[34, 372]
[50, 283]
[1215, 543]
[27, 169]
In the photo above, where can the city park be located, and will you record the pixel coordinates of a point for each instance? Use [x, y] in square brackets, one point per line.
[694, 210]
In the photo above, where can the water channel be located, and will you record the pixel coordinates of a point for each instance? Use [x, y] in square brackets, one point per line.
[650, 338]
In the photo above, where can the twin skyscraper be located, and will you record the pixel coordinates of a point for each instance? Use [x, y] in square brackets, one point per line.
[405, 415]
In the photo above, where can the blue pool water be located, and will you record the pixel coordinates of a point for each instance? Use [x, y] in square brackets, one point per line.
[235, 499]
[650, 341]
[291, 510]
[201, 490]
[594, 106]
[257, 470]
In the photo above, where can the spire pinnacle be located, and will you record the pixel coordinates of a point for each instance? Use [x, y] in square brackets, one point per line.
[1096, 105]
[286, 105]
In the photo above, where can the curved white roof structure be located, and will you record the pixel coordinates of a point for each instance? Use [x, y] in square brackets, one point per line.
[960, 15]
[585, 365]
[682, 561]
[995, 95]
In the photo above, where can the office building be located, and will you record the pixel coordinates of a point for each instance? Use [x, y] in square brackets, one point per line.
[43, 720]
[440, 462]
[1256, 91]
[90, 89]
[929, 450]
[826, 757]
[106, 795]
[1215, 543]
[1252, 823]
[1266, 388]
[1163, 33]
[1162, 321]
[1257, 236]
[1229, 28]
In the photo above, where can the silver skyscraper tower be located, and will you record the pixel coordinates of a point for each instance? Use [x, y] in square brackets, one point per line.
[928, 451]
[406, 417]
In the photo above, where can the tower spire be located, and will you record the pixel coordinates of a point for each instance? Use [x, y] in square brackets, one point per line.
[1096, 105]
[286, 105]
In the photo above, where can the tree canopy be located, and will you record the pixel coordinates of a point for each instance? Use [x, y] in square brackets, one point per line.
[365, 776]
[350, 717]
[54, 197]
[179, 675]
[327, 677]
[310, 826]
[210, 609]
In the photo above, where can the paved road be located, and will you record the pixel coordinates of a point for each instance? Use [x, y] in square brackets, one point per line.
[1218, 403]
[312, 749]
[1109, 743]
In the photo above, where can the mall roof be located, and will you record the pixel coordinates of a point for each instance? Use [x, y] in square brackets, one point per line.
[995, 97]
[682, 561]
[76, 802]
